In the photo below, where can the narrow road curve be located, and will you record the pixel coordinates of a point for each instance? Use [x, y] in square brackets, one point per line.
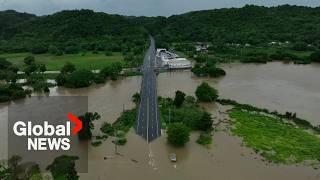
[148, 119]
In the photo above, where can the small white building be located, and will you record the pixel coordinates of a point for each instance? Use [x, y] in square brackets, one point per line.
[172, 60]
[159, 51]
[179, 63]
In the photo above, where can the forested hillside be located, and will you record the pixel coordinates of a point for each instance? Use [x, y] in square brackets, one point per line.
[75, 30]
[250, 24]
[69, 31]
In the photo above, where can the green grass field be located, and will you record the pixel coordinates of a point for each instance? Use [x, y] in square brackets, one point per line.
[276, 140]
[54, 63]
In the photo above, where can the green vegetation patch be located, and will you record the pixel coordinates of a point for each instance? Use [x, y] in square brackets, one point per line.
[96, 143]
[63, 167]
[189, 113]
[274, 139]
[121, 127]
[87, 60]
[204, 139]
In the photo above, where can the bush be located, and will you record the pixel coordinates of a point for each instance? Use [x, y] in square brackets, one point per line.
[120, 141]
[79, 79]
[11, 92]
[204, 139]
[39, 49]
[205, 122]
[315, 56]
[96, 143]
[53, 50]
[136, 97]
[206, 93]
[112, 71]
[179, 98]
[107, 128]
[108, 53]
[59, 53]
[99, 78]
[68, 68]
[61, 79]
[29, 60]
[4, 64]
[216, 72]
[178, 134]
[63, 167]
[72, 50]
[208, 69]
[300, 46]
[87, 125]
[199, 70]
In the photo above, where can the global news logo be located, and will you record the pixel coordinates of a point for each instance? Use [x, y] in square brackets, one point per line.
[46, 136]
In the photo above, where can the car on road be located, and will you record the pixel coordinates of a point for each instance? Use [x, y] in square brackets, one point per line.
[173, 157]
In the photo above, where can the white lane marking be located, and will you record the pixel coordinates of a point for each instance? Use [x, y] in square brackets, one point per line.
[156, 108]
[148, 120]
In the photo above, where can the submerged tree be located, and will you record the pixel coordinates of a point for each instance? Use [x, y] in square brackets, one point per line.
[179, 98]
[136, 98]
[63, 167]
[15, 170]
[87, 125]
[206, 93]
[178, 134]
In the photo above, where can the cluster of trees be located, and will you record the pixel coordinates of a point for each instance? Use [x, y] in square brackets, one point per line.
[120, 127]
[209, 68]
[183, 114]
[14, 169]
[206, 65]
[315, 57]
[73, 78]
[8, 72]
[206, 93]
[9, 89]
[34, 74]
[64, 167]
[178, 134]
[12, 91]
[133, 59]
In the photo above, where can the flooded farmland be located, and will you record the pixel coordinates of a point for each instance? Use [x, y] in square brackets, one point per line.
[275, 86]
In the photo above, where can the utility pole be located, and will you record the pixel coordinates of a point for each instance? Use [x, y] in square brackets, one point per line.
[115, 140]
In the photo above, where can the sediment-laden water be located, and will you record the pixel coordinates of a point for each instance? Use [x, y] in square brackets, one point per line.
[275, 86]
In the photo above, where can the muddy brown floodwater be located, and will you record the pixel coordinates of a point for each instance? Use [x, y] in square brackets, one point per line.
[274, 85]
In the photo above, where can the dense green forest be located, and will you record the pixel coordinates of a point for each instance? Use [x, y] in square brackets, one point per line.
[250, 24]
[88, 30]
[69, 32]
[250, 34]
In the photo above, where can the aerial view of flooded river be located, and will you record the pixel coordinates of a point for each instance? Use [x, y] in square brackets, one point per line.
[276, 86]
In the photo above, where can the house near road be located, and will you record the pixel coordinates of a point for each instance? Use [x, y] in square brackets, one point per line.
[202, 47]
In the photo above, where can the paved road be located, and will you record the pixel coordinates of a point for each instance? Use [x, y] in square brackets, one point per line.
[148, 119]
